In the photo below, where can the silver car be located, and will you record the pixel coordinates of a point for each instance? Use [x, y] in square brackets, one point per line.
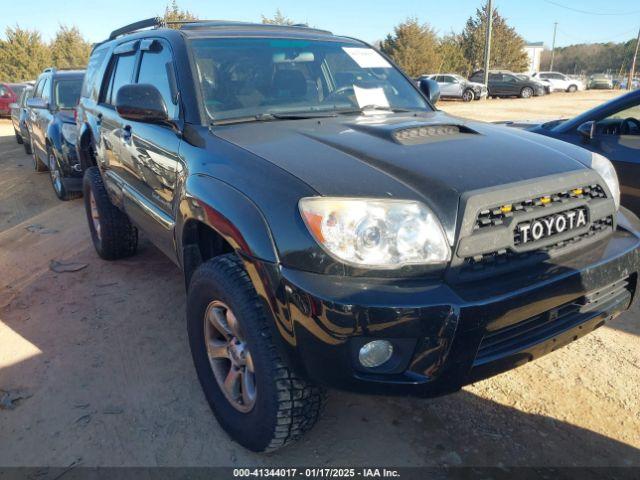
[455, 86]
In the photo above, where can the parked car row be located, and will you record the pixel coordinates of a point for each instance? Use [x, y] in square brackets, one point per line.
[503, 83]
[43, 119]
[333, 228]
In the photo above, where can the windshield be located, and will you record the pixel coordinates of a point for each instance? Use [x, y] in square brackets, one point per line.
[249, 77]
[67, 92]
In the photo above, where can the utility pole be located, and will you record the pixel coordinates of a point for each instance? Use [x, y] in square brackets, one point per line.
[487, 41]
[553, 46]
[633, 63]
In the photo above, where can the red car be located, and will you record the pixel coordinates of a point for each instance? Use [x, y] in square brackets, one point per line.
[9, 93]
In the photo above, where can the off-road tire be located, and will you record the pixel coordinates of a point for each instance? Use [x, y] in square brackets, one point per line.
[527, 92]
[286, 405]
[118, 238]
[468, 95]
[18, 137]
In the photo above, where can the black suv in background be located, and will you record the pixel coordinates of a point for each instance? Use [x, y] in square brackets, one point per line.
[508, 84]
[52, 130]
[334, 228]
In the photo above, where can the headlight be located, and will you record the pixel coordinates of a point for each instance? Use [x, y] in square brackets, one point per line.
[376, 233]
[69, 133]
[605, 168]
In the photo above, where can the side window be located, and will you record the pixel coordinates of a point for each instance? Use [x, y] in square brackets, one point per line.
[155, 70]
[37, 93]
[91, 84]
[120, 74]
[46, 90]
[3, 91]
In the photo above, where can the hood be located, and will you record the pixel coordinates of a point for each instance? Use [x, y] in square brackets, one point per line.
[365, 156]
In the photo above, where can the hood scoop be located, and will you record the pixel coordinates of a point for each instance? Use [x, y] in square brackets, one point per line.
[417, 135]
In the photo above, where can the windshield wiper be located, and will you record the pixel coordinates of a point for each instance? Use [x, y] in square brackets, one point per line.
[370, 108]
[268, 117]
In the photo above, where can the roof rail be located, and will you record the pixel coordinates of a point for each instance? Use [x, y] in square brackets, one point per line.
[61, 69]
[157, 22]
[195, 24]
[135, 26]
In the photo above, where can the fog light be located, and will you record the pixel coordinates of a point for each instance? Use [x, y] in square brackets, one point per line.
[374, 354]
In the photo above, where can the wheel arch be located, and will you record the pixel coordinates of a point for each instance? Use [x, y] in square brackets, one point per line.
[214, 219]
[85, 143]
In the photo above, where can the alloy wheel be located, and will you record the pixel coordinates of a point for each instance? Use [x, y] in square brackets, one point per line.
[229, 356]
[467, 95]
[95, 215]
[54, 172]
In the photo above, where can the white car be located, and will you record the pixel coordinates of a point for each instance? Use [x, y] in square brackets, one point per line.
[454, 86]
[560, 81]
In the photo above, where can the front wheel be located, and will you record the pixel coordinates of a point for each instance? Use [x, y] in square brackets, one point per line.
[468, 95]
[572, 88]
[18, 137]
[526, 92]
[113, 235]
[57, 179]
[257, 399]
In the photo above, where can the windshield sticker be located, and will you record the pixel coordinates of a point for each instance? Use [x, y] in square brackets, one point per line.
[367, 57]
[371, 97]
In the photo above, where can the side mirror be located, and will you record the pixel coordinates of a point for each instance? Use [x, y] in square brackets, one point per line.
[141, 103]
[431, 89]
[37, 103]
[587, 130]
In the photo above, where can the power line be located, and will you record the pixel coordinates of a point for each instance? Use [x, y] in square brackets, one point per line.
[588, 12]
[602, 40]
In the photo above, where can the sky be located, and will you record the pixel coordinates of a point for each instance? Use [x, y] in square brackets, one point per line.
[369, 20]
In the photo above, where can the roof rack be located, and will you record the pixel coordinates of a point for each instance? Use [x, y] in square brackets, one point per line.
[62, 69]
[153, 22]
[157, 22]
[192, 25]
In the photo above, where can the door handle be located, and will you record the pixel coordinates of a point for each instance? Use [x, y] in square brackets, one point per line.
[99, 119]
[126, 134]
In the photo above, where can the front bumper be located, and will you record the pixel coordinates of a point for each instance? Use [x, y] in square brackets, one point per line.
[445, 335]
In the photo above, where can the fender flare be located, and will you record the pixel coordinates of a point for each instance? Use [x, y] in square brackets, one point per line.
[229, 213]
[53, 136]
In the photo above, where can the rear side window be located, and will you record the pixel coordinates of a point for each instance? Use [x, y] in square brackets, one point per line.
[121, 73]
[155, 68]
[91, 85]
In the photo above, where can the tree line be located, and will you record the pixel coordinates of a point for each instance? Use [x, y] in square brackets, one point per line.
[415, 47]
[613, 58]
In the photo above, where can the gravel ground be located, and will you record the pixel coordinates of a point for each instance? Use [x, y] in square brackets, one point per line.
[95, 368]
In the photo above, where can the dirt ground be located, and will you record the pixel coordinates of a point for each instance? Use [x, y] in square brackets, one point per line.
[95, 368]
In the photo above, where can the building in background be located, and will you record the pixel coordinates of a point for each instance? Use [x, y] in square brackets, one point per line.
[534, 52]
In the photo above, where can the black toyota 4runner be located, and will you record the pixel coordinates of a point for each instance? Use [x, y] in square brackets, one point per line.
[52, 129]
[333, 227]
